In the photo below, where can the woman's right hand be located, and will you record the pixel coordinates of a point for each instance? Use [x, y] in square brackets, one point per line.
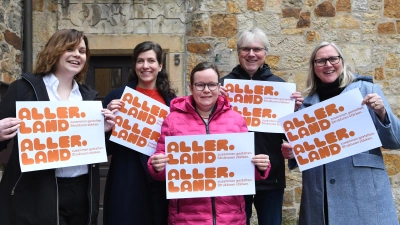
[114, 104]
[287, 151]
[8, 128]
[159, 161]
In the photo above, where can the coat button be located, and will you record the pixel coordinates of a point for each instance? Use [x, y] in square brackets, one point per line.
[332, 181]
[94, 165]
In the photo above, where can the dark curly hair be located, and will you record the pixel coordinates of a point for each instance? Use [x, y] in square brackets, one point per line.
[163, 84]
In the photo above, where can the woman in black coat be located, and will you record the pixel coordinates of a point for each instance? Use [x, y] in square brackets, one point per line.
[44, 197]
[131, 195]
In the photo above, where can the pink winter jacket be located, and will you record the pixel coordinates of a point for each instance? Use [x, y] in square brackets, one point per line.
[184, 120]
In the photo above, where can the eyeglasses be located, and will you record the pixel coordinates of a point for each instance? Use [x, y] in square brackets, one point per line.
[322, 62]
[202, 86]
[248, 49]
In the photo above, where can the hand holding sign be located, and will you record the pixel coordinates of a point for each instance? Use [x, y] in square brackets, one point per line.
[374, 101]
[115, 105]
[298, 100]
[159, 161]
[8, 128]
[261, 161]
[109, 119]
[287, 151]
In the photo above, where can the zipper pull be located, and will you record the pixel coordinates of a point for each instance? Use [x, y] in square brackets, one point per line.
[12, 191]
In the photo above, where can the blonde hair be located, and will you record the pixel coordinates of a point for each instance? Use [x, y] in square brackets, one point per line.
[346, 75]
[59, 43]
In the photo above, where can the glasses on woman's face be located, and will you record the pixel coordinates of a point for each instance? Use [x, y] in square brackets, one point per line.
[202, 86]
[322, 62]
[248, 49]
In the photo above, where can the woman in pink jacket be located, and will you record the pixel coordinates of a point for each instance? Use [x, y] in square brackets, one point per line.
[203, 112]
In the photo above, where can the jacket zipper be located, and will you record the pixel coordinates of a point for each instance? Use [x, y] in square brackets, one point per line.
[91, 194]
[15, 185]
[179, 209]
[214, 214]
[33, 87]
[58, 216]
[58, 204]
[213, 211]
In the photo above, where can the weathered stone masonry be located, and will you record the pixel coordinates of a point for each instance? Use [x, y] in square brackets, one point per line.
[368, 31]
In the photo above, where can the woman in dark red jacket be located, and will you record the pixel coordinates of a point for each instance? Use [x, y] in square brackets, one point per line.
[204, 112]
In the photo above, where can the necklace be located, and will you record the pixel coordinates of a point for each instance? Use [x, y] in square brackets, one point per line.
[146, 93]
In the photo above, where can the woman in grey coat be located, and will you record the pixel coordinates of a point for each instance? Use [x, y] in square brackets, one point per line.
[356, 189]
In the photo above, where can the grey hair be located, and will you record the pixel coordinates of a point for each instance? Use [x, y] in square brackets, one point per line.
[346, 75]
[252, 35]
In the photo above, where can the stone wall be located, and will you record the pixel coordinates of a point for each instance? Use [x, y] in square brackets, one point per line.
[10, 43]
[368, 31]
[10, 39]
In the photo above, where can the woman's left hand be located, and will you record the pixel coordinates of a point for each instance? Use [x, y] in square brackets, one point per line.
[109, 119]
[374, 101]
[298, 100]
[261, 161]
[223, 91]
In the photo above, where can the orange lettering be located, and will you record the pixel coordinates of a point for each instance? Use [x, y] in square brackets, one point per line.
[172, 188]
[301, 160]
[25, 160]
[172, 160]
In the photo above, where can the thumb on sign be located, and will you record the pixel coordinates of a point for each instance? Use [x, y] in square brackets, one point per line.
[159, 161]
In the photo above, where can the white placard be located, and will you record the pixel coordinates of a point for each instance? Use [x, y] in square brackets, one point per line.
[60, 134]
[261, 103]
[210, 165]
[330, 130]
[138, 122]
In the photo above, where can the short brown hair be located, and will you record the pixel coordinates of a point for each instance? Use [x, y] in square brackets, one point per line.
[60, 42]
[203, 66]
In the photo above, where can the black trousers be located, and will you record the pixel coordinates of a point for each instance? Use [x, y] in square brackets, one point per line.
[73, 200]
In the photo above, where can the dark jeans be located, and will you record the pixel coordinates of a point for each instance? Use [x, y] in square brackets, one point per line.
[268, 205]
[73, 200]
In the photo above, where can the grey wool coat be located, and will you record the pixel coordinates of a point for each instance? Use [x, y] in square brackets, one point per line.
[357, 187]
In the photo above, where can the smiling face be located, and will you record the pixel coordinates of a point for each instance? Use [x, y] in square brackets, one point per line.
[251, 61]
[72, 61]
[328, 73]
[205, 99]
[147, 68]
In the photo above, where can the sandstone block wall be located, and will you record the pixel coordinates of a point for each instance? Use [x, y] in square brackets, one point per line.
[368, 31]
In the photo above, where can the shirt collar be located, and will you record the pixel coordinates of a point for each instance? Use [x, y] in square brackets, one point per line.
[51, 80]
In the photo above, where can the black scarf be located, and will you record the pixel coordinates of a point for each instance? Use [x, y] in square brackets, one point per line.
[328, 90]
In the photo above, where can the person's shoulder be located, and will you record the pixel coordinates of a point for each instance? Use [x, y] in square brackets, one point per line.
[274, 78]
[117, 93]
[85, 87]
[361, 83]
[228, 76]
[25, 81]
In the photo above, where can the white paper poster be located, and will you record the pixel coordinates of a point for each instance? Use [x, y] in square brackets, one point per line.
[210, 165]
[261, 103]
[330, 130]
[138, 122]
[60, 134]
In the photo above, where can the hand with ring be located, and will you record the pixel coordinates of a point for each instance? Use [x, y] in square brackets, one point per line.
[375, 102]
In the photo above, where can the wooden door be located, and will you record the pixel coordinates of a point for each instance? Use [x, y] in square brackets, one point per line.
[107, 73]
